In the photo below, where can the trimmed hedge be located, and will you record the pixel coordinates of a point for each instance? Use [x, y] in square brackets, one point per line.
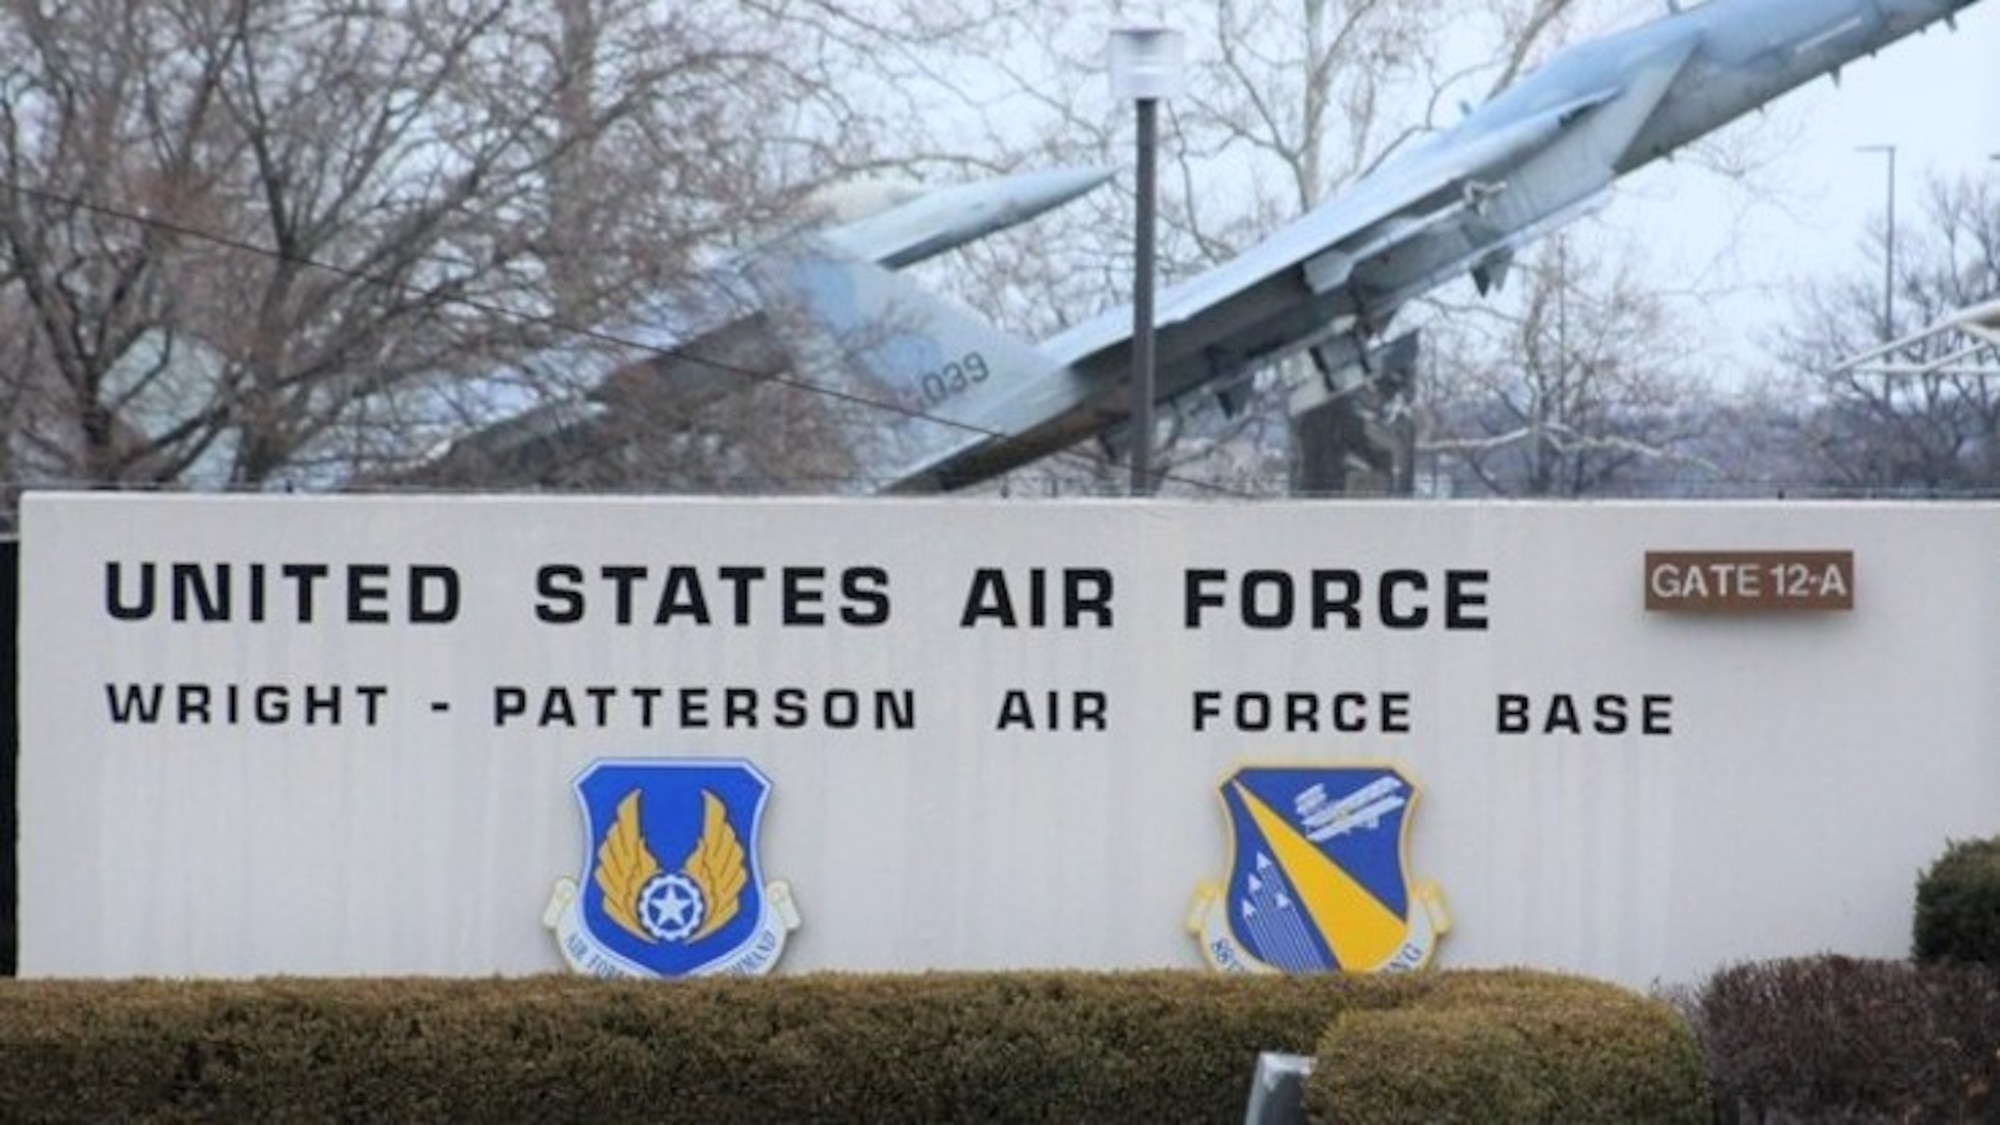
[1840, 1038]
[1516, 1047]
[1958, 905]
[1139, 1047]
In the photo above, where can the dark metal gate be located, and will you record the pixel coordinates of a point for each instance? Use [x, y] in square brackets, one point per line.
[10, 745]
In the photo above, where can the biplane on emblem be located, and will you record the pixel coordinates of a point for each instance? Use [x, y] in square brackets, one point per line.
[1317, 875]
[671, 883]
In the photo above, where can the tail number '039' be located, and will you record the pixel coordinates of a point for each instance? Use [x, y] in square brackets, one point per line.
[947, 382]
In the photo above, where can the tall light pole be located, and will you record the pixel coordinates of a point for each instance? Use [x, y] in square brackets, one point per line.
[1145, 68]
[1888, 247]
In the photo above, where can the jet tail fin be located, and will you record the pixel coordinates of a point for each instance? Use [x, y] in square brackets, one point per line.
[917, 378]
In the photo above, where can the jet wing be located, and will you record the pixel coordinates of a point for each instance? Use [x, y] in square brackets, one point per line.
[1531, 157]
[739, 350]
[1388, 207]
[1327, 273]
[1458, 202]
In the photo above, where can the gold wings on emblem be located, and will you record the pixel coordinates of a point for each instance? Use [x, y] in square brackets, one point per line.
[716, 866]
[624, 865]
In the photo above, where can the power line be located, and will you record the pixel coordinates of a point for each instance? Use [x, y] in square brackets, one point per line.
[556, 323]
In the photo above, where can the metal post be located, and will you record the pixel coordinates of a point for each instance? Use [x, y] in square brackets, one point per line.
[1143, 390]
[1145, 68]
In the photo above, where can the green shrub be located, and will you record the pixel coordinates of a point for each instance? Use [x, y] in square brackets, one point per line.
[1139, 1047]
[1840, 1038]
[990, 1047]
[1424, 1065]
[1511, 1047]
[1958, 905]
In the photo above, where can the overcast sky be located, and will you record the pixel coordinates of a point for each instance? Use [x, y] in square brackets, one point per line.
[1809, 206]
[1811, 202]
[1936, 96]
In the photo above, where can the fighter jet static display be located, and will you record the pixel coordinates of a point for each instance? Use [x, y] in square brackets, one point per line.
[976, 402]
[893, 225]
[914, 226]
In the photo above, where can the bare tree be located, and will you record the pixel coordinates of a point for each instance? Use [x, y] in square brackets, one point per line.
[268, 243]
[1284, 106]
[271, 244]
[1577, 386]
[96, 118]
[1938, 431]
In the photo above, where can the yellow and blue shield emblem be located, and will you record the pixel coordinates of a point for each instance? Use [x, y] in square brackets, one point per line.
[671, 884]
[1317, 875]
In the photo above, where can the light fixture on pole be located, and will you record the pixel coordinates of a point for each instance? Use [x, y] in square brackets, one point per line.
[1145, 69]
[1888, 246]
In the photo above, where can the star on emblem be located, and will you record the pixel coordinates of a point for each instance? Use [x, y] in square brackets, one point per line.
[670, 907]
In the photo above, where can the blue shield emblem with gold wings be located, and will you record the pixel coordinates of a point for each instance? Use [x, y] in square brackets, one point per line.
[671, 884]
[1317, 875]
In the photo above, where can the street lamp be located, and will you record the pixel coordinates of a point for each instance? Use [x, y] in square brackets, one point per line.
[1888, 248]
[1145, 68]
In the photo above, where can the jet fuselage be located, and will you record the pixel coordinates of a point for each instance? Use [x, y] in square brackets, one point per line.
[1461, 201]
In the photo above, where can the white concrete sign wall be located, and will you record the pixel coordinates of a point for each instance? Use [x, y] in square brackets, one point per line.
[345, 735]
